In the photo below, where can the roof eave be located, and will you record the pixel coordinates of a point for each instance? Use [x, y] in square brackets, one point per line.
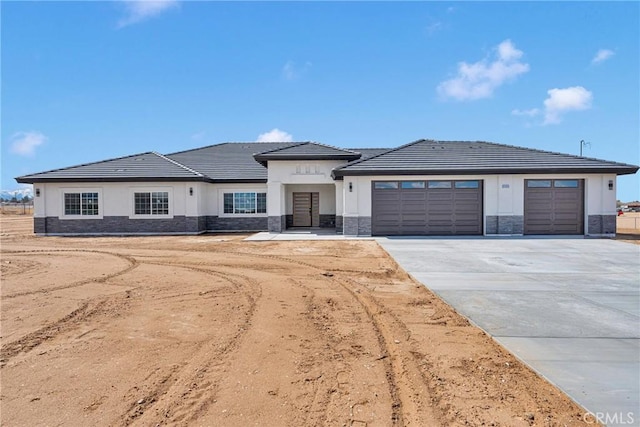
[263, 158]
[339, 173]
[34, 180]
[239, 181]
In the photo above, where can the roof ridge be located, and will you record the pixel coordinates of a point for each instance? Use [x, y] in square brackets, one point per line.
[273, 150]
[90, 163]
[355, 162]
[332, 146]
[179, 164]
[194, 149]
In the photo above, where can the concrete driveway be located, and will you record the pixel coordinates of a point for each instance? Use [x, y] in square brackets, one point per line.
[568, 307]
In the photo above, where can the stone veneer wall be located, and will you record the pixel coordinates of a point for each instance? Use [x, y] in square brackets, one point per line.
[339, 224]
[126, 225]
[259, 223]
[326, 221]
[505, 224]
[356, 226]
[120, 225]
[602, 224]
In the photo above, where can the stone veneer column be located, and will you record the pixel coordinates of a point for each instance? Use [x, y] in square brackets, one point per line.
[601, 224]
[504, 224]
[350, 225]
[275, 224]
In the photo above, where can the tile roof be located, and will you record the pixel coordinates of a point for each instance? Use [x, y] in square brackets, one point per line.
[236, 162]
[229, 162]
[472, 157]
[144, 166]
[307, 151]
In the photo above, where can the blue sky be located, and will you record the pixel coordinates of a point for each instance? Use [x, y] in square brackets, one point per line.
[87, 81]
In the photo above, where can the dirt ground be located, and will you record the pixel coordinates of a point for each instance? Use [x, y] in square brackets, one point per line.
[214, 331]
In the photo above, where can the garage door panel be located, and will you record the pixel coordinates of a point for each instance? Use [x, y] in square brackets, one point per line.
[553, 209]
[566, 205]
[388, 218]
[464, 218]
[415, 205]
[385, 197]
[419, 216]
[464, 195]
[413, 195]
[435, 196]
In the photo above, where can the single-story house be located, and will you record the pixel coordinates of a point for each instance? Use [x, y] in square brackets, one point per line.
[421, 188]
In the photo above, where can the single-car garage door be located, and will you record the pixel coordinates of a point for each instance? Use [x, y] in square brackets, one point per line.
[437, 208]
[554, 206]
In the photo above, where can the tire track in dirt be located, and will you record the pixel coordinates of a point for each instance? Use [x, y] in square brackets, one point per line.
[133, 263]
[404, 377]
[439, 317]
[183, 394]
[405, 409]
[30, 341]
[316, 412]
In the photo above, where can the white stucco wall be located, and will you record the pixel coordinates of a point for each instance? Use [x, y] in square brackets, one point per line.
[599, 199]
[503, 194]
[116, 199]
[288, 176]
[302, 172]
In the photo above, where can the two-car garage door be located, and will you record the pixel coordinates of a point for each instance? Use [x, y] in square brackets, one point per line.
[454, 207]
[437, 207]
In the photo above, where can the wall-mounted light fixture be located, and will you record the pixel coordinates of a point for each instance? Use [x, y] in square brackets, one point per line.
[37, 192]
[610, 184]
[191, 191]
[351, 187]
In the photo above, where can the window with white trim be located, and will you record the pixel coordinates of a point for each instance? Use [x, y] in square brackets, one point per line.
[151, 203]
[82, 204]
[245, 203]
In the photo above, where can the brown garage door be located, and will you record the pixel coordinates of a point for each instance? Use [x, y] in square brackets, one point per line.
[554, 206]
[438, 208]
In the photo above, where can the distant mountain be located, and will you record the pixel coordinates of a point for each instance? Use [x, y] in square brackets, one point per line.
[19, 194]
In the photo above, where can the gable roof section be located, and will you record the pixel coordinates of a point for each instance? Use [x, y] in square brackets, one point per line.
[307, 151]
[139, 167]
[229, 162]
[426, 157]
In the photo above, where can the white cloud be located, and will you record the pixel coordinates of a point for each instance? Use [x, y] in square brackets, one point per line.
[25, 143]
[434, 27]
[141, 10]
[290, 71]
[561, 101]
[529, 113]
[602, 55]
[275, 135]
[480, 79]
